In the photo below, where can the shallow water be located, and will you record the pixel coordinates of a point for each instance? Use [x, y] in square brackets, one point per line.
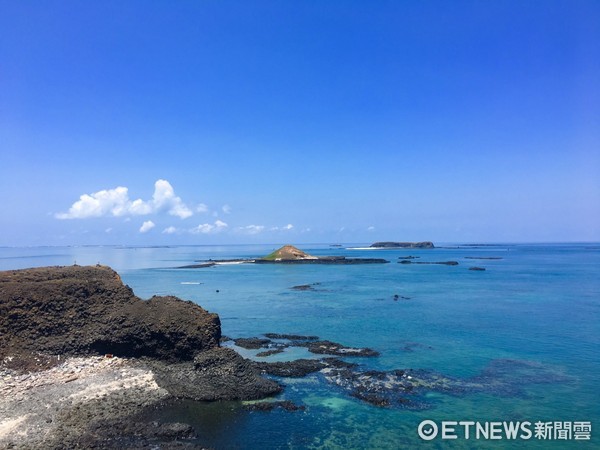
[539, 304]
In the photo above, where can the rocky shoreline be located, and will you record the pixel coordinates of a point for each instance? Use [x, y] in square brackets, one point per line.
[84, 363]
[79, 342]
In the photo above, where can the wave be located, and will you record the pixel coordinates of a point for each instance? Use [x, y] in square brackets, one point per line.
[225, 263]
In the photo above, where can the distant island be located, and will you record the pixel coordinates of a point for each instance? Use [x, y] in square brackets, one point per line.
[288, 254]
[425, 244]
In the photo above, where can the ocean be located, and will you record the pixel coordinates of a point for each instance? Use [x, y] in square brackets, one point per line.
[525, 331]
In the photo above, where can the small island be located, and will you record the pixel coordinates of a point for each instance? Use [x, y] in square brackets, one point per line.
[288, 254]
[425, 244]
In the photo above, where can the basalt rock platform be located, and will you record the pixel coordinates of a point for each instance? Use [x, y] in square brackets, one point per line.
[88, 310]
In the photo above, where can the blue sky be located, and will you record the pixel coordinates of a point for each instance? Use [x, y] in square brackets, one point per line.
[200, 122]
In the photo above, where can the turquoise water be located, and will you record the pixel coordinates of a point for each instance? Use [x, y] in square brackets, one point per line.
[538, 304]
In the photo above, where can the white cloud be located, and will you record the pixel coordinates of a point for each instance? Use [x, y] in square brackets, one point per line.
[140, 208]
[115, 202]
[164, 198]
[206, 228]
[170, 230]
[201, 208]
[101, 203]
[147, 226]
[288, 227]
[371, 228]
[226, 209]
[251, 229]
[203, 228]
[108, 230]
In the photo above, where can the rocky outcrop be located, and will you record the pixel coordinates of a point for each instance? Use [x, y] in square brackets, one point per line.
[215, 374]
[287, 253]
[291, 369]
[88, 310]
[293, 337]
[57, 320]
[251, 343]
[286, 405]
[443, 263]
[312, 344]
[389, 244]
[333, 348]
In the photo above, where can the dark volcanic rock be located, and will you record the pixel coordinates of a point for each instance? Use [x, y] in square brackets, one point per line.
[302, 287]
[129, 434]
[301, 367]
[197, 266]
[445, 263]
[425, 244]
[305, 287]
[291, 337]
[370, 397]
[286, 405]
[88, 310]
[215, 374]
[333, 348]
[269, 352]
[252, 343]
[48, 313]
[293, 369]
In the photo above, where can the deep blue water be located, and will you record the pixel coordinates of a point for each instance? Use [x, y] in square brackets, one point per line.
[538, 308]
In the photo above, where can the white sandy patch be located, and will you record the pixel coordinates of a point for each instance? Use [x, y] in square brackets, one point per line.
[128, 379]
[229, 263]
[8, 427]
[31, 404]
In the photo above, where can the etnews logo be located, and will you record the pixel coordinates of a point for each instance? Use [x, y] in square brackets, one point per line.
[469, 429]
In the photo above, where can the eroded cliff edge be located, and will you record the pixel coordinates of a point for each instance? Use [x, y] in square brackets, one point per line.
[88, 310]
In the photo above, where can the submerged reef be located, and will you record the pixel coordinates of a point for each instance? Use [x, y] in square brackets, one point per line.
[405, 388]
